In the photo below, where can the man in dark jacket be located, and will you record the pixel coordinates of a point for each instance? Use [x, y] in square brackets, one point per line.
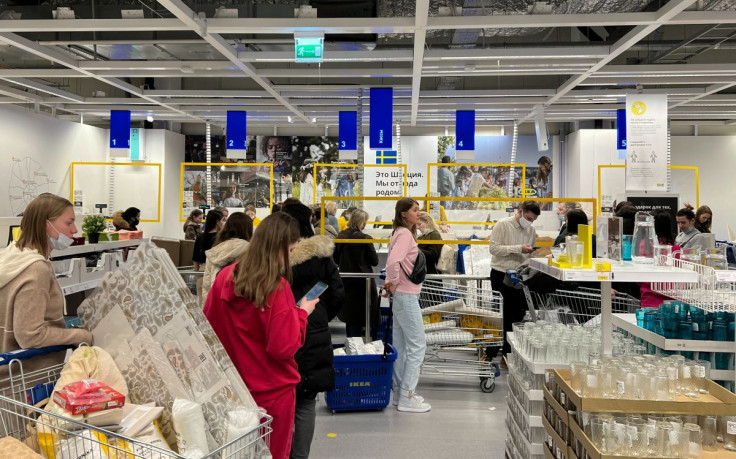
[311, 262]
[357, 258]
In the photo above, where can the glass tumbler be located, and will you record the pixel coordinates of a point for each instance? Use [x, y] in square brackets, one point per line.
[709, 431]
[589, 379]
[703, 375]
[598, 427]
[693, 435]
[637, 437]
[576, 369]
[729, 433]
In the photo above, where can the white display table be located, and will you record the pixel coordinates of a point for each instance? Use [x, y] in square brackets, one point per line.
[620, 272]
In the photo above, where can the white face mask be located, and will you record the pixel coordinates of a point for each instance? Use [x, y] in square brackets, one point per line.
[561, 217]
[524, 222]
[60, 242]
[423, 231]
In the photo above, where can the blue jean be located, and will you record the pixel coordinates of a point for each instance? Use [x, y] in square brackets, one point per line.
[409, 340]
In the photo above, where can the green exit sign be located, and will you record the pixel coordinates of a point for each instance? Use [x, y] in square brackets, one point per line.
[309, 49]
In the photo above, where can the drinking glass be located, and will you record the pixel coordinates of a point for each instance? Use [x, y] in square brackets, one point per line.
[637, 436]
[709, 435]
[703, 375]
[729, 432]
[694, 439]
[575, 373]
[598, 432]
[575, 250]
[589, 379]
[662, 255]
[690, 385]
[660, 444]
[626, 247]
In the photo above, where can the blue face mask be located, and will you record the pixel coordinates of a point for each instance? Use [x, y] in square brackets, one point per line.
[60, 242]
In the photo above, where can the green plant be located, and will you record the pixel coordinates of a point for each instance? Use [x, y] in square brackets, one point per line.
[93, 224]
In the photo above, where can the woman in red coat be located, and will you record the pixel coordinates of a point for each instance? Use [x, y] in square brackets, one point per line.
[253, 312]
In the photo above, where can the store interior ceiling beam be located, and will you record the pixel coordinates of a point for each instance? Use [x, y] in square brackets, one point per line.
[366, 25]
[420, 35]
[200, 26]
[658, 80]
[30, 84]
[47, 53]
[712, 89]
[21, 95]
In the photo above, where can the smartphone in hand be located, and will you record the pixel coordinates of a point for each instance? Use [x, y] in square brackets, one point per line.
[317, 290]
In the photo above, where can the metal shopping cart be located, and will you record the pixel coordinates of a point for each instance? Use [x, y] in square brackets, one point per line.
[23, 394]
[579, 306]
[462, 318]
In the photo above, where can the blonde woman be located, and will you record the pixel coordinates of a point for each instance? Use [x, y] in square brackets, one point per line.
[428, 231]
[31, 300]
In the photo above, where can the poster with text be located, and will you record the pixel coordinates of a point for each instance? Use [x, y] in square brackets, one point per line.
[646, 150]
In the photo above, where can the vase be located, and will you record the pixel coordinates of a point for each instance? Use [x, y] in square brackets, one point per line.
[93, 238]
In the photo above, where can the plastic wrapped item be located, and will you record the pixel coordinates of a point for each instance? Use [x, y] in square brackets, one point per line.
[89, 444]
[190, 428]
[84, 386]
[242, 426]
[355, 346]
[340, 351]
[377, 345]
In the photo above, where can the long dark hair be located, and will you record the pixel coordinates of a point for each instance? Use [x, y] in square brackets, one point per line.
[213, 218]
[237, 226]
[404, 205]
[303, 216]
[266, 260]
[576, 217]
[663, 227]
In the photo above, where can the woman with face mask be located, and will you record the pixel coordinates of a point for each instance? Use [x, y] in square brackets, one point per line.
[428, 230]
[31, 300]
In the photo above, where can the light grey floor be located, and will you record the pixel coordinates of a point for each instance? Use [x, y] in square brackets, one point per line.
[464, 423]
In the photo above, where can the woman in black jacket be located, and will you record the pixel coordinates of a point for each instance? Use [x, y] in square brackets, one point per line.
[357, 258]
[311, 262]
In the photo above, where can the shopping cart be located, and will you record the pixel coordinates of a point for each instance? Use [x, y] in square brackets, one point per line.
[23, 395]
[580, 306]
[462, 317]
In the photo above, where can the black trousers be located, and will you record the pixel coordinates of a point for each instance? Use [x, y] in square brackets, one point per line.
[514, 305]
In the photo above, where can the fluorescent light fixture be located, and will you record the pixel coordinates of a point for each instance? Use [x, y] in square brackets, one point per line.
[289, 119]
[314, 119]
[149, 118]
[131, 14]
[223, 12]
[63, 12]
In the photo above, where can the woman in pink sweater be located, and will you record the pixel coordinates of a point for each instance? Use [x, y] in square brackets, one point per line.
[408, 328]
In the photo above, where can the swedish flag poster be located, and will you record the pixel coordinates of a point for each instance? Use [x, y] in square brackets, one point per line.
[387, 157]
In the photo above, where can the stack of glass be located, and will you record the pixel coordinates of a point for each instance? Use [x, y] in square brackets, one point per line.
[555, 343]
[640, 377]
[658, 435]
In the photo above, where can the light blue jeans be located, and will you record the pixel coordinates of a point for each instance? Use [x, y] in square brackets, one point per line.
[409, 340]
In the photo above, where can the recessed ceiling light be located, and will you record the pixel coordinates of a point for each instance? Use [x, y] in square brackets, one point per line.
[314, 120]
[149, 118]
[288, 118]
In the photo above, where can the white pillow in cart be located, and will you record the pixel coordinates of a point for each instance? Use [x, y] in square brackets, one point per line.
[449, 338]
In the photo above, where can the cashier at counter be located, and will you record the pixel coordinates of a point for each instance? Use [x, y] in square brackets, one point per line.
[689, 236]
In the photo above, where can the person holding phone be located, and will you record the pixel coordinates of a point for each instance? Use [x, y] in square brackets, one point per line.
[311, 262]
[252, 310]
[408, 328]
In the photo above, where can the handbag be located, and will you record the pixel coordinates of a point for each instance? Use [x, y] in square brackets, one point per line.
[420, 269]
[448, 260]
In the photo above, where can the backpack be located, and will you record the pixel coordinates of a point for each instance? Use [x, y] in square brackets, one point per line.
[420, 269]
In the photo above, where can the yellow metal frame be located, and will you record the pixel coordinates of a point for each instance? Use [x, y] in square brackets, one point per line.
[427, 199]
[695, 169]
[181, 181]
[316, 165]
[429, 177]
[93, 163]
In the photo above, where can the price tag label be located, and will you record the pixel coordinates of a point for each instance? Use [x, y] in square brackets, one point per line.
[590, 276]
[726, 275]
[731, 427]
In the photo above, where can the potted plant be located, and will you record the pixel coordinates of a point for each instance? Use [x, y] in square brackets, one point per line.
[93, 225]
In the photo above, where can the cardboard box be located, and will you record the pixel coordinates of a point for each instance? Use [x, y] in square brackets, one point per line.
[186, 250]
[719, 402]
[170, 245]
[102, 399]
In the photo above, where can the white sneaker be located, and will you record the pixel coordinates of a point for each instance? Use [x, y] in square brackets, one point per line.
[413, 405]
[395, 398]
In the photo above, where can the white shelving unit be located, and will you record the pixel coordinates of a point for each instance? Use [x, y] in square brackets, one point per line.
[627, 322]
[620, 272]
[534, 395]
[94, 248]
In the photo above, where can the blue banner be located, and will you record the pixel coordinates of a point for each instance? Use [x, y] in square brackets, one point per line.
[621, 132]
[382, 118]
[120, 129]
[465, 130]
[348, 131]
[236, 126]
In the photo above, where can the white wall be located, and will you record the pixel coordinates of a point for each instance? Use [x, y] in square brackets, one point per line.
[41, 148]
[716, 158]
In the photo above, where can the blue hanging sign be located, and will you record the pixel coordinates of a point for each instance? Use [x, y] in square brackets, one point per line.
[621, 132]
[236, 126]
[348, 132]
[465, 130]
[382, 118]
[120, 129]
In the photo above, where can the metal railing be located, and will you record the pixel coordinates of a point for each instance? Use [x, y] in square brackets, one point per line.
[377, 276]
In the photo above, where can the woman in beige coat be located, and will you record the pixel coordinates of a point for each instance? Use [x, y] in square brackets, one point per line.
[230, 244]
[31, 300]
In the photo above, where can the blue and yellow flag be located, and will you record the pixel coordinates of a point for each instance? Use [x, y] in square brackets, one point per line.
[387, 157]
